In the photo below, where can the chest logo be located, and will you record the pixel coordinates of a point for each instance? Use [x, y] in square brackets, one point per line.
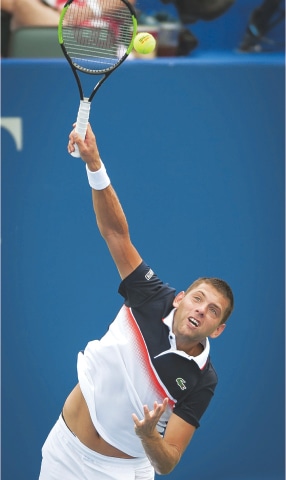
[181, 383]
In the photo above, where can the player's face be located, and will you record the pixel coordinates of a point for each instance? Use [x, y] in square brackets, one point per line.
[199, 313]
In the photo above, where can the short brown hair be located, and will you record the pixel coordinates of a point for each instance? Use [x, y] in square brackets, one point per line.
[222, 287]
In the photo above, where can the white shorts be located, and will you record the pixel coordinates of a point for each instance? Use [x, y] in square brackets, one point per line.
[66, 458]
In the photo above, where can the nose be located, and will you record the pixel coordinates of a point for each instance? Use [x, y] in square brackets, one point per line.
[200, 310]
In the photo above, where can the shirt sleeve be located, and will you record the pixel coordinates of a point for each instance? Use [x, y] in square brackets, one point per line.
[142, 285]
[192, 408]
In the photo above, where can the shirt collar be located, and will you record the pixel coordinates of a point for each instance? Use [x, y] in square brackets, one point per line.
[199, 359]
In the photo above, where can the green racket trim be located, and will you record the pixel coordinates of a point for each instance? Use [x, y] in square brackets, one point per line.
[60, 27]
[130, 48]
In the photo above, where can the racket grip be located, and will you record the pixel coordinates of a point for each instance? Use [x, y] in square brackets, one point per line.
[81, 122]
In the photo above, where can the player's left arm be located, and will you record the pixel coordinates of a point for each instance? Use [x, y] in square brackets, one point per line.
[163, 453]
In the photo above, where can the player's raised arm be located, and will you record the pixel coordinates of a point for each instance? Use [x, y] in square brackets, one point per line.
[110, 217]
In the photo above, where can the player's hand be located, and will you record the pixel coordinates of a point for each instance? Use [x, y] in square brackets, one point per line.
[87, 148]
[146, 427]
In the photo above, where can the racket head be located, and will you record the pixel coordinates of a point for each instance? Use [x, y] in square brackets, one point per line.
[97, 36]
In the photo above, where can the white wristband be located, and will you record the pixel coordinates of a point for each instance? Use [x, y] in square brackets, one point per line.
[98, 180]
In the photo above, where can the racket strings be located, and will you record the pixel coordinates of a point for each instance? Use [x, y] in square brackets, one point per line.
[96, 38]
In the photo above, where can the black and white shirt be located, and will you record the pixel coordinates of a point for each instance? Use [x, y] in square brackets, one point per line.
[136, 362]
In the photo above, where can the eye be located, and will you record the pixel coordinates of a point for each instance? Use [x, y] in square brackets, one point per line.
[197, 298]
[213, 311]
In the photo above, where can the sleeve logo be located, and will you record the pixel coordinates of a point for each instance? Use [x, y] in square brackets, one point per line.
[149, 274]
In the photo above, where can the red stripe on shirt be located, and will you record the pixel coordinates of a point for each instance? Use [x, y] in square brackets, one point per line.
[141, 345]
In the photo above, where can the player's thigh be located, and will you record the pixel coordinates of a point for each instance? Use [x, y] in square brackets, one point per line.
[145, 473]
[58, 462]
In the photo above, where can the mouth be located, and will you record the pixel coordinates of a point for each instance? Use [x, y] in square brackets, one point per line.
[194, 322]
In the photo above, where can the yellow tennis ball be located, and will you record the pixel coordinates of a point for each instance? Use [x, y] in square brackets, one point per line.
[144, 42]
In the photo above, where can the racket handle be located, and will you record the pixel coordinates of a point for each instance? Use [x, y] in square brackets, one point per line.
[81, 122]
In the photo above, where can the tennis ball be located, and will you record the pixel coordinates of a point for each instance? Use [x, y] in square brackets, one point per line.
[144, 42]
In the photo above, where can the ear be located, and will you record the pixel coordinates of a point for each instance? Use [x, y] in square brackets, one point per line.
[218, 331]
[178, 298]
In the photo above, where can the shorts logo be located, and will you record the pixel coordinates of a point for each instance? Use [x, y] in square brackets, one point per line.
[149, 274]
[181, 383]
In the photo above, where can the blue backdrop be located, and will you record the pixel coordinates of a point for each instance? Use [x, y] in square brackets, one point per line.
[195, 150]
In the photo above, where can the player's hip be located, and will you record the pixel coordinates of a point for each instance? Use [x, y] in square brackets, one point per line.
[64, 456]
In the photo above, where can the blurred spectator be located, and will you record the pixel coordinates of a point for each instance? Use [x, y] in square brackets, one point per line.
[261, 21]
[6, 15]
[33, 13]
[7, 5]
[21, 13]
[29, 13]
[190, 11]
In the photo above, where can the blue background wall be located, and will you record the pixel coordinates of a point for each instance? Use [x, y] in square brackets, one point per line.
[195, 150]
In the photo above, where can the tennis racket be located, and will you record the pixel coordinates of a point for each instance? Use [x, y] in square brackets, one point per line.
[96, 36]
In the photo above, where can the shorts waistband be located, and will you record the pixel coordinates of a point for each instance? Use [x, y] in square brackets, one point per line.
[70, 438]
[62, 415]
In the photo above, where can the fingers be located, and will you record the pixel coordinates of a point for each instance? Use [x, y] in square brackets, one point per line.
[75, 138]
[165, 402]
[147, 426]
[158, 410]
[71, 144]
[136, 420]
[161, 407]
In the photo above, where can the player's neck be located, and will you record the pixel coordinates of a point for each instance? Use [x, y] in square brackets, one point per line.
[193, 350]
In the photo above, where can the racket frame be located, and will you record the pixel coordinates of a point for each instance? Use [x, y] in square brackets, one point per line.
[84, 106]
[105, 72]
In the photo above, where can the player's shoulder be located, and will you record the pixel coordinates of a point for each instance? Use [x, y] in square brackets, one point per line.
[141, 275]
[143, 271]
[142, 284]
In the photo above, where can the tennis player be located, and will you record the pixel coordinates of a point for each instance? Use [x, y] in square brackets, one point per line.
[144, 386]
